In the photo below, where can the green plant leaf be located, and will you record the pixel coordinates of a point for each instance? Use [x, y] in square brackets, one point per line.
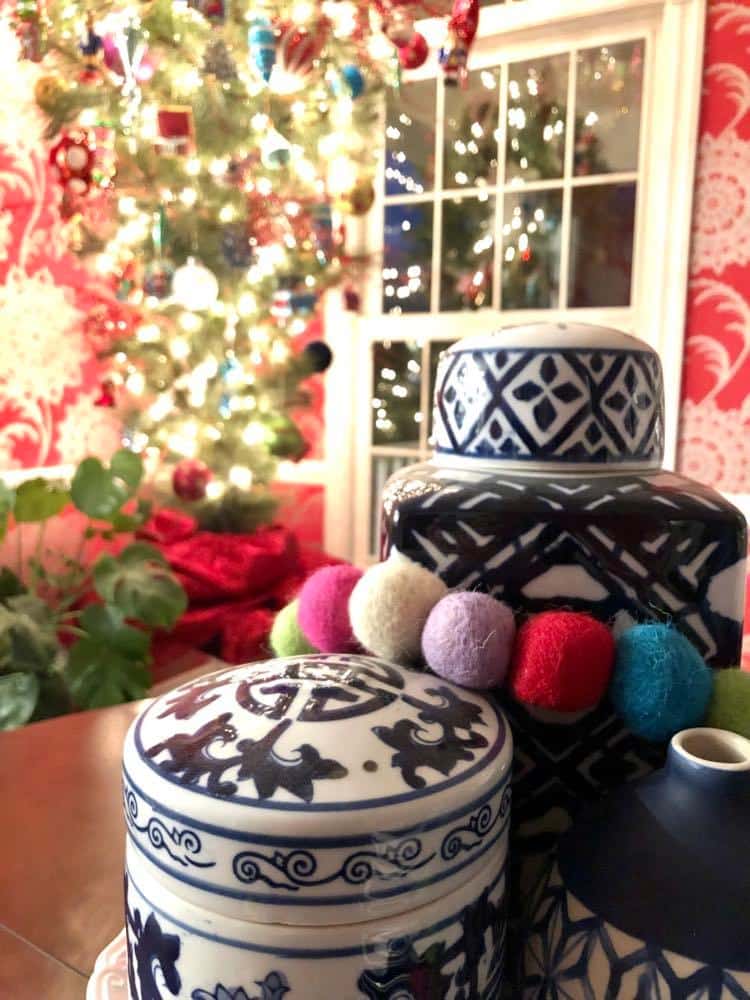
[139, 583]
[128, 466]
[96, 491]
[54, 697]
[7, 499]
[18, 698]
[39, 499]
[10, 584]
[27, 645]
[98, 676]
[108, 625]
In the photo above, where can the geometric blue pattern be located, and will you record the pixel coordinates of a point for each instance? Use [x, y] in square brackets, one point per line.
[571, 953]
[566, 405]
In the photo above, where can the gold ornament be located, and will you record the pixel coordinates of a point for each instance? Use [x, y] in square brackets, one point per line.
[358, 200]
[48, 90]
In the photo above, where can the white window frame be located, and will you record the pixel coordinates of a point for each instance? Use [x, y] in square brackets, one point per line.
[674, 32]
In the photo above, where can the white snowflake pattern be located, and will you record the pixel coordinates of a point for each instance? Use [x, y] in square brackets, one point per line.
[713, 445]
[21, 122]
[87, 429]
[42, 347]
[721, 215]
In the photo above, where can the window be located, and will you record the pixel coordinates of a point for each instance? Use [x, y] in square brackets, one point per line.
[533, 193]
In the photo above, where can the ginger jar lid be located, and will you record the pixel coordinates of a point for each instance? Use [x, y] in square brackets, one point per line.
[564, 394]
[317, 789]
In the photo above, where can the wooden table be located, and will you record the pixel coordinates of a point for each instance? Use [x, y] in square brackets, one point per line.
[61, 851]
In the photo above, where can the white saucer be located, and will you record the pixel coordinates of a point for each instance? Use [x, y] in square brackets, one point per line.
[109, 980]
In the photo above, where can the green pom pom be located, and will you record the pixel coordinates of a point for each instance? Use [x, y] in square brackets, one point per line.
[287, 638]
[730, 702]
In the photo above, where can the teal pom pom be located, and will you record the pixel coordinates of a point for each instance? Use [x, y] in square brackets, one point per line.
[660, 683]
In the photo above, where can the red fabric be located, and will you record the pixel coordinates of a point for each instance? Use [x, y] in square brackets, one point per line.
[235, 583]
[562, 661]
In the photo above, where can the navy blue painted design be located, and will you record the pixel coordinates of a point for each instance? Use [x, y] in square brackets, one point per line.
[187, 744]
[556, 404]
[471, 834]
[149, 949]
[274, 986]
[584, 956]
[337, 900]
[693, 882]
[181, 844]
[314, 842]
[298, 867]
[365, 948]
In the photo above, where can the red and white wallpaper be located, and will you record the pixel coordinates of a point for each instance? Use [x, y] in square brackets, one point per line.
[715, 419]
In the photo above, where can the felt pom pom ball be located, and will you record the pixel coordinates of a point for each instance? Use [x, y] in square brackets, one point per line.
[324, 608]
[660, 684]
[468, 639]
[562, 661]
[390, 605]
[287, 638]
[730, 702]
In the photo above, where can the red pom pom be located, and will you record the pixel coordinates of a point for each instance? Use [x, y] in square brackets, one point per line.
[562, 661]
[323, 612]
[414, 53]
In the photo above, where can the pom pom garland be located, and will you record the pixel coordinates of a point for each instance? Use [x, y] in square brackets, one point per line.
[730, 702]
[287, 638]
[323, 609]
[468, 639]
[660, 684]
[562, 661]
[390, 605]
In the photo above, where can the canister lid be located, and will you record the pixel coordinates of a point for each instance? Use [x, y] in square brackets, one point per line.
[565, 394]
[317, 789]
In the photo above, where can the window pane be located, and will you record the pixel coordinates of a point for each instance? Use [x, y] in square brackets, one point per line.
[436, 349]
[531, 250]
[467, 253]
[471, 117]
[407, 257]
[396, 382]
[601, 245]
[608, 108]
[537, 96]
[410, 138]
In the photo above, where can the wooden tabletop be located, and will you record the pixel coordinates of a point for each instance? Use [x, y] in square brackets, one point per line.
[61, 850]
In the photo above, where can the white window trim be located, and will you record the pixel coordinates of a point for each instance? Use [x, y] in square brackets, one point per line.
[675, 31]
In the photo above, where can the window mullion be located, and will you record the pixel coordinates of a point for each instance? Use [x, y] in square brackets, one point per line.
[437, 215]
[497, 268]
[567, 200]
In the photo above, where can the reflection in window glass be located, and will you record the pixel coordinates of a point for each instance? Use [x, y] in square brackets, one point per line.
[537, 96]
[407, 257]
[410, 138]
[531, 250]
[471, 118]
[396, 383]
[601, 245]
[609, 86]
[468, 251]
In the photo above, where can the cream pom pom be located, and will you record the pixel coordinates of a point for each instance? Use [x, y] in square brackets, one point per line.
[389, 607]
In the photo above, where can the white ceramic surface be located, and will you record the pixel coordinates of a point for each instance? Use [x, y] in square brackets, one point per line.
[109, 980]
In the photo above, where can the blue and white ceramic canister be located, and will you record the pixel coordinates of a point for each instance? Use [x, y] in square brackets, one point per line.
[319, 826]
[651, 894]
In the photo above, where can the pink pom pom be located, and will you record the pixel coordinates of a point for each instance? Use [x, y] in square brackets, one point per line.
[323, 612]
[468, 639]
[562, 661]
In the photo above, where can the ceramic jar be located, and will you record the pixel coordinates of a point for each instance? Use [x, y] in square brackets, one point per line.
[546, 491]
[651, 895]
[321, 826]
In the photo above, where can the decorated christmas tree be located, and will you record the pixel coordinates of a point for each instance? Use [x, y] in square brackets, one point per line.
[208, 156]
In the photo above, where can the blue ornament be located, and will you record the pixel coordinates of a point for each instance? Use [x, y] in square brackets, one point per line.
[235, 245]
[157, 278]
[230, 369]
[349, 82]
[225, 406]
[660, 683]
[303, 303]
[261, 42]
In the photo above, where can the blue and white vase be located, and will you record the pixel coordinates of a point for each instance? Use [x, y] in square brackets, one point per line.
[650, 898]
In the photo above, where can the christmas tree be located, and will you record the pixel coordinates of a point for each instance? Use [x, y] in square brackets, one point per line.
[208, 154]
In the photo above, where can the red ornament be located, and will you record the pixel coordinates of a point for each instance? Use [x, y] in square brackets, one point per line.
[73, 157]
[190, 478]
[465, 20]
[414, 54]
[562, 661]
[106, 395]
[298, 48]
